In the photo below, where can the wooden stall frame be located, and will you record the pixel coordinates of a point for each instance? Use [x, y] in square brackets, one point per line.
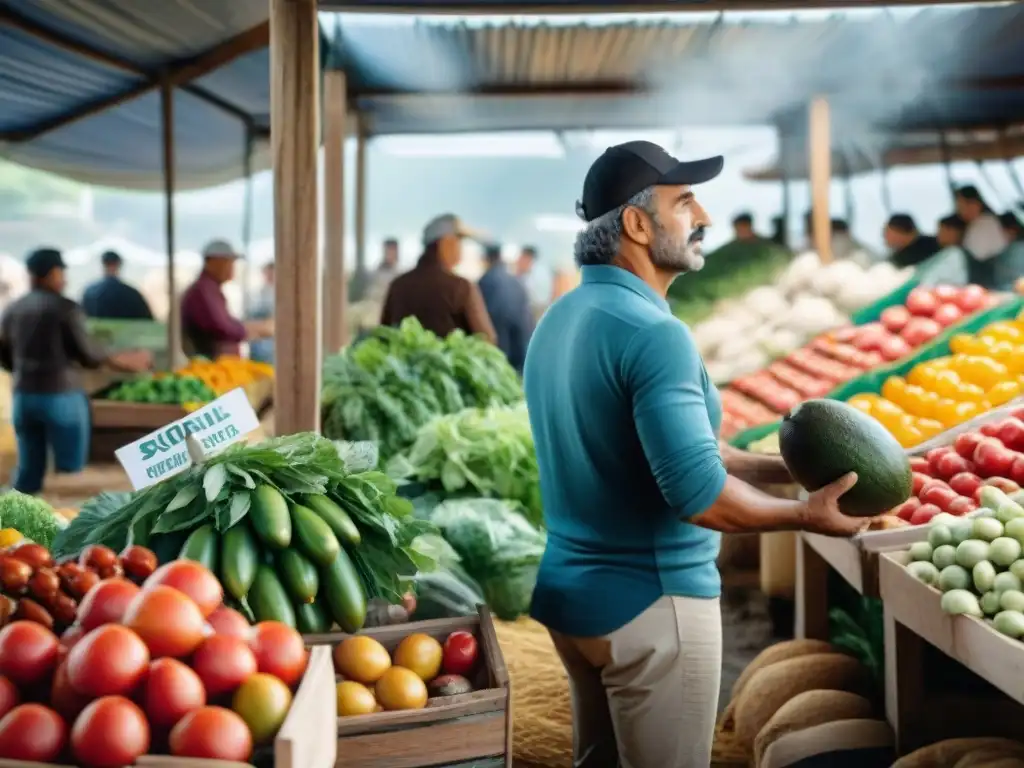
[476, 725]
[913, 619]
[306, 738]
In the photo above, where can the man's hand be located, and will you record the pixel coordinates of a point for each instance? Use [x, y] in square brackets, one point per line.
[821, 510]
[133, 360]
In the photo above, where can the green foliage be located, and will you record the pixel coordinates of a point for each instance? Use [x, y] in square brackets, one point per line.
[32, 517]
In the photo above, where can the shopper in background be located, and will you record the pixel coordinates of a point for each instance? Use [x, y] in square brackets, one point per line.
[509, 307]
[432, 292]
[112, 298]
[207, 327]
[743, 228]
[1009, 265]
[908, 247]
[42, 341]
[537, 278]
[386, 271]
[262, 350]
[984, 238]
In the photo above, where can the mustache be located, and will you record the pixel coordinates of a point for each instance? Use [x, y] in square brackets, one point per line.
[697, 235]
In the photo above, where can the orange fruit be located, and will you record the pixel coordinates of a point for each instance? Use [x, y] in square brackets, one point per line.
[361, 659]
[420, 653]
[400, 688]
[355, 699]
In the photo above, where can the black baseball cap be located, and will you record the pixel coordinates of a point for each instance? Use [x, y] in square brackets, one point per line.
[111, 259]
[42, 261]
[626, 169]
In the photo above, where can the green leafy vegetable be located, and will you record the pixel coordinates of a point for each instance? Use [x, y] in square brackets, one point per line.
[32, 517]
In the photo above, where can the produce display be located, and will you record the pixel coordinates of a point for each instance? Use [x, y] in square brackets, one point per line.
[200, 381]
[954, 478]
[485, 452]
[385, 387]
[983, 371]
[143, 670]
[24, 516]
[298, 529]
[976, 563]
[772, 322]
[822, 440]
[419, 669]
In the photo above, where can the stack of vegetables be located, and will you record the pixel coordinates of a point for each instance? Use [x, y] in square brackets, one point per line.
[983, 371]
[843, 354]
[298, 529]
[200, 381]
[771, 322]
[149, 661]
[386, 386]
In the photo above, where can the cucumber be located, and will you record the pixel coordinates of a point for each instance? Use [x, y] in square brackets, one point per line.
[341, 591]
[268, 599]
[201, 546]
[315, 538]
[335, 517]
[310, 619]
[239, 558]
[298, 575]
[269, 515]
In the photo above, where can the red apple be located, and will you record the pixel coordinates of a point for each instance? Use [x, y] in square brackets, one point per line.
[894, 318]
[992, 458]
[922, 302]
[952, 464]
[965, 483]
[924, 514]
[1011, 433]
[893, 348]
[961, 505]
[971, 298]
[920, 330]
[947, 314]
[965, 444]
[933, 456]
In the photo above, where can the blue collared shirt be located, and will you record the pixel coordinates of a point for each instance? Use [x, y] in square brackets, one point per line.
[509, 307]
[112, 298]
[625, 423]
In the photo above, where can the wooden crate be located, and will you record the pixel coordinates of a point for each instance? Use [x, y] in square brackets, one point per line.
[306, 739]
[920, 703]
[454, 729]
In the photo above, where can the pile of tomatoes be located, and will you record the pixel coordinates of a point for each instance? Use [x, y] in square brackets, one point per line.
[951, 478]
[159, 667]
[983, 372]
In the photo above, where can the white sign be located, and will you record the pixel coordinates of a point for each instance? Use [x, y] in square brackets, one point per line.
[164, 453]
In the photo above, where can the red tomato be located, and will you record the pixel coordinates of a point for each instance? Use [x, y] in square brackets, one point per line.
[961, 506]
[923, 514]
[9, 696]
[172, 690]
[193, 579]
[945, 293]
[934, 456]
[223, 663]
[965, 483]
[228, 621]
[111, 732]
[947, 314]
[971, 298]
[920, 481]
[109, 661]
[1017, 469]
[922, 302]
[214, 733]
[992, 458]
[907, 508]
[138, 562]
[279, 651]
[460, 653]
[1011, 433]
[28, 652]
[32, 732]
[952, 464]
[106, 603]
[63, 698]
[869, 337]
[168, 622]
[966, 443]
[893, 348]
[920, 464]
[894, 318]
[920, 330]
[991, 429]
[939, 495]
[1002, 483]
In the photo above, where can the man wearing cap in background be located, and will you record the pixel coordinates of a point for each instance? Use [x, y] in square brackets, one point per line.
[42, 341]
[207, 327]
[432, 292]
[508, 306]
[112, 298]
[635, 485]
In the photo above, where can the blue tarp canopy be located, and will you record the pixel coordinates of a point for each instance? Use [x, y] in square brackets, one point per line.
[80, 88]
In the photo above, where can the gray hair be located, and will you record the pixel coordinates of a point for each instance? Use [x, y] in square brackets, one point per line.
[597, 243]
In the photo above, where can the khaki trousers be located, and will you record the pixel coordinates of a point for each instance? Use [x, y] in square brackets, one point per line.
[646, 696]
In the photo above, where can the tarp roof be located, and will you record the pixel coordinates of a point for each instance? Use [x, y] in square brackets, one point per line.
[79, 87]
[600, 6]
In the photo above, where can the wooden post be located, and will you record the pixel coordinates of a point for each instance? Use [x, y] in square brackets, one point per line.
[174, 347]
[295, 121]
[820, 163]
[335, 331]
[361, 275]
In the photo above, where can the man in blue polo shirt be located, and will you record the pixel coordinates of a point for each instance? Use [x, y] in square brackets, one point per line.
[635, 485]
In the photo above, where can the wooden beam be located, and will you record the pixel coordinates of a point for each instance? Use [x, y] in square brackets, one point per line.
[174, 345]
[820, 162]
[463, 7]
[179, 74]
[361, 274]
[295, 123]
[335, 330]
